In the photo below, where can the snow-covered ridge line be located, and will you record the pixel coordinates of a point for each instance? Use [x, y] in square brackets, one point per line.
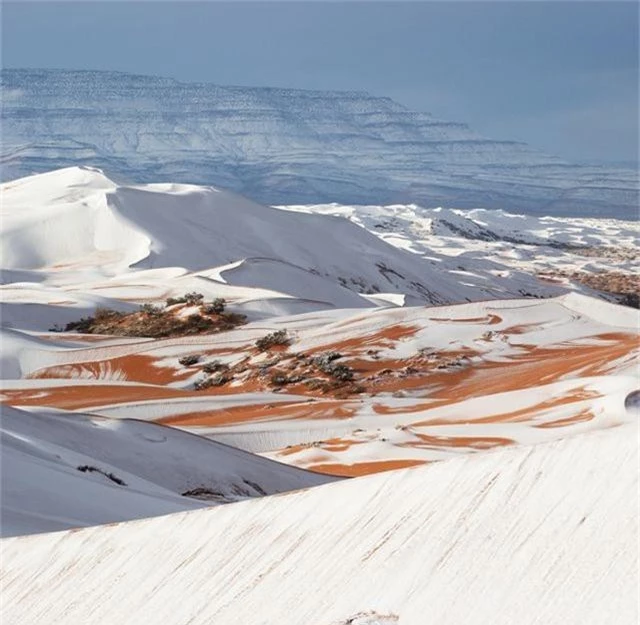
[284, 145]
[80, 228]
[521, 535]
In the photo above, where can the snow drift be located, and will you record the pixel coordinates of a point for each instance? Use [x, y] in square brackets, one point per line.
[542, 534]
[78, 220]
[63, 470]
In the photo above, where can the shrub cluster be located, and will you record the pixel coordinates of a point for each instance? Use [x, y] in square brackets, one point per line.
[279, 337]
[102, 316]
[325, 362]
[151, 310]
[192, 299]
[217, 380]
[216, 307]
[154, 322]
[188, 361]
[215, 366]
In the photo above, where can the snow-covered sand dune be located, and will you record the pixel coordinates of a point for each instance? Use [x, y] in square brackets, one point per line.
[541, 534]
[524, 410]
[64, 470]
[76, 223]
[403, 385]
[479, 245]
[74, 239]
[432, 382]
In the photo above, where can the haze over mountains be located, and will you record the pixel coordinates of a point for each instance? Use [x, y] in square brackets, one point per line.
[281, 146]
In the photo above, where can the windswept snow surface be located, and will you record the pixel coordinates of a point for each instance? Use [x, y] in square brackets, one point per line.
[74, 239]
[86, 234]
[541, 534]
[64, 470]
[480, 245]
[286, 145]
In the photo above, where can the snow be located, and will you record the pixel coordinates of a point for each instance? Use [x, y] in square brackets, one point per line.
[523, 411]
[43, 490]
[499, 250]
[286, 146]
[86, 229]
[75, 239]
[540, 534]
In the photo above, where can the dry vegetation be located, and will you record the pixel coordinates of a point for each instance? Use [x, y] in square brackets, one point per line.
[624, 286]
[161, 322]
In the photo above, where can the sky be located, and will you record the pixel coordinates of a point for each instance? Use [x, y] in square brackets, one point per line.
[562, 76]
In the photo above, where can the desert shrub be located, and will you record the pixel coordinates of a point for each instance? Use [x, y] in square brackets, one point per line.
[188, 361]
[103, 315]
[83, 325]
[233, 319]
[630, 299]
[340, 372]
[191, 298]
[214, 366]
[216, 307]
[278, 379]
[202, 384]
[151, 310]
[323, 361]
[219, 379]
[279, 337]
[316, 384]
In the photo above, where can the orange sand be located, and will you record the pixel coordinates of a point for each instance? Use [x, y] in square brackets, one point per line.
[363, 468]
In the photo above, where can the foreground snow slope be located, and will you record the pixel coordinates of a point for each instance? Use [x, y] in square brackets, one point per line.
[542, 534]
[63, 470]
[286, 145]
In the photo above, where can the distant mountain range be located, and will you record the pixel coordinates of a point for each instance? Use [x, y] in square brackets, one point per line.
[283, 146]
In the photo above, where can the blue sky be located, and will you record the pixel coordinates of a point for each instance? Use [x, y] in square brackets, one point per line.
[562, 76]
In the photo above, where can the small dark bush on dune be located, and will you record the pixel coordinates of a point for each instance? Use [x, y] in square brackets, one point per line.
[188, 361]
[192, 299]
[279, 337]
[340, 372]
[216, 307]
[151, 310]
[214, 366]
[216, 380]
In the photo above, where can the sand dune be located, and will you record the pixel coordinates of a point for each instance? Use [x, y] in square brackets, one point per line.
[540, 534]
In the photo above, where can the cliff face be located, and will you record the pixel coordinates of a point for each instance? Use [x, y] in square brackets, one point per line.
[284, 146]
